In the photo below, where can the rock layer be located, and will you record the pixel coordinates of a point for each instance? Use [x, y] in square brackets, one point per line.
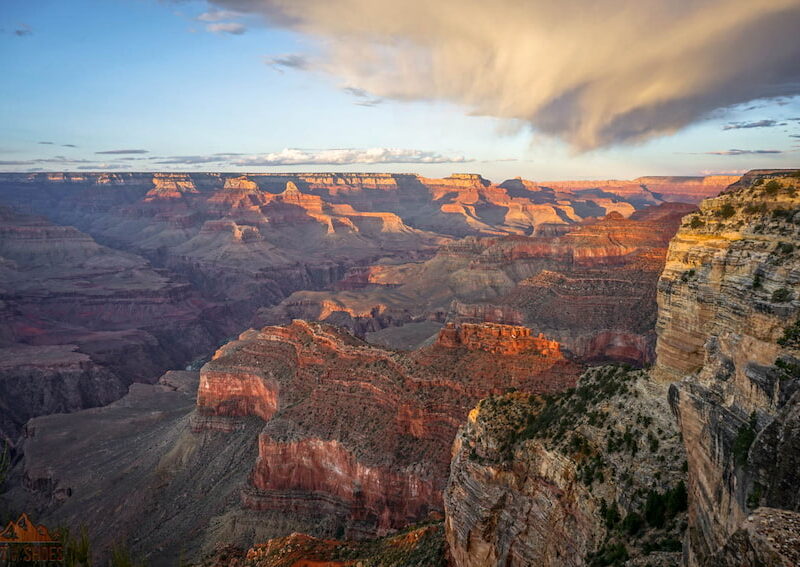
[728, 309]
[356, 434]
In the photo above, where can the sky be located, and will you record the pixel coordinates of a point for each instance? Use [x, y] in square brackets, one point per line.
[541, 90]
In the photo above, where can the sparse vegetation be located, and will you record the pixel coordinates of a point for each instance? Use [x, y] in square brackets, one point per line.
[726, 211]
[696, 222]
[758, 280]
[772, 187]
[77, 550]
[744, 439]
[781, 295]
[688, 275]
[791, 336]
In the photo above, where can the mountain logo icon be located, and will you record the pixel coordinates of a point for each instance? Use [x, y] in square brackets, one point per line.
[25, 531]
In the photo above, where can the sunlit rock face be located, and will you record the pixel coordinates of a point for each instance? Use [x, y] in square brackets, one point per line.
[356, 435]
[532, 479]
[727, 332]
[591, 287]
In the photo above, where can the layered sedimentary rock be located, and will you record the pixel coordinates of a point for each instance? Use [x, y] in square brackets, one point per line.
[81, 321]
[727, 326]
[568, 480]
[591, 287]
[356, 437]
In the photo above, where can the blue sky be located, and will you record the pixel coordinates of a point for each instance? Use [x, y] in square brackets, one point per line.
[147, 75]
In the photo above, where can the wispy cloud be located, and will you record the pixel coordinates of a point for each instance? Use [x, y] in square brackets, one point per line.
[217, 16]
[362, 96]
[103, 166]
[746, 125]
[232, 28]
[293, 61]
[293, 156]
[735, 152]
[116, 152]
[23, 30]
[68, 146]
[47, 143]
[538, 61]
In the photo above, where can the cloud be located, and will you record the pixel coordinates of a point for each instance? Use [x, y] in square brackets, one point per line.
[47, 143]
[233, 28]
[742, 152]
[598, 74]
[293, 156]
[745, 125]
[103, 166]
[364, 98]
[124, 152]
[23, 30]
[217, 16]
[287, 61]
[68, 146]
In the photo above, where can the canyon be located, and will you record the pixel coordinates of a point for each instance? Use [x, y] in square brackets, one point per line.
[114, 278]
[439, 371]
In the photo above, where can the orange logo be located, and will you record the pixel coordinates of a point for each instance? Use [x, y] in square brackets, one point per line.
[24, 541]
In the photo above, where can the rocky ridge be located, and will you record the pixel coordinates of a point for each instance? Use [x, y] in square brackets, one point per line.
[592, 475]
[727, 328]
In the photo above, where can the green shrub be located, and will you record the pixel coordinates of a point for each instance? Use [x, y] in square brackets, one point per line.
[609, 555]
[781, 295]
[791, 336]
[655, 509]
[757, 281]
[744, 439]
[726, 211]
[696, 222]
[633, 523]
[772, 187]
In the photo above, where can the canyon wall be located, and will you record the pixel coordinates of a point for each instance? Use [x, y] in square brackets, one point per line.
[727, 333]
[82, 321]
[355, 435]
[590, 287]
[568, 480]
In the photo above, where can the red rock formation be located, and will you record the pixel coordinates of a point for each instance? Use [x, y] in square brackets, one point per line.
[357, 433]
[497, 339]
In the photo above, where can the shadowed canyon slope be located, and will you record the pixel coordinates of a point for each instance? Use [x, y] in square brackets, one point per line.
[81, 321]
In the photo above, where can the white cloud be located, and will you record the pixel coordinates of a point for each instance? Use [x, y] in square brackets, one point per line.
[217, 16]
[233, 28]
[293, 156]
[594, 73]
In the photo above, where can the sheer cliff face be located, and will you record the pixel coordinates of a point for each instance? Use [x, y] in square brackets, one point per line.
[357, 437]
[557, 481]
[727, 327]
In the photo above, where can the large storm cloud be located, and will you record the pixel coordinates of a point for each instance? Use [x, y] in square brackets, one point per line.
[592, 72]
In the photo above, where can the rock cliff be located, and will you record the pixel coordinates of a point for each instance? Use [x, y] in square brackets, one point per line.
[573, 479]
[591, 287]
[727, 330]
[379, 422]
